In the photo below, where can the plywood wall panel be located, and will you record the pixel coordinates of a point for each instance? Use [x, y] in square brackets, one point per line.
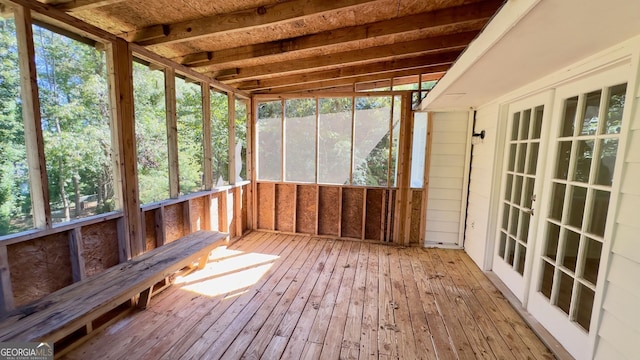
[150, 229]
[306, 209]
[197, 216]
[100, 246]
[285, 206]
[352, 202]
[265, 205]
[39, 267]
[174, 221]
[375, 211]
[328, 210]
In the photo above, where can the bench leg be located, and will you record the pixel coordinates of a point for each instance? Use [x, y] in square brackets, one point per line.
[144, 299]
[202, 262]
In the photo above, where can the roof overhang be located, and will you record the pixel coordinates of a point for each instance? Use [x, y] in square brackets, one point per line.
[527, 40]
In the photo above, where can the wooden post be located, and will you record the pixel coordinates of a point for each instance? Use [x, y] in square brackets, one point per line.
[6, 291]
[161, 232]
[172, 131]
[207, 213]
[251, 188]
[237, 209]
[124, 144]
[425, 181]
[187, 228]
[32, 122]
[206, 137]
[76, 251]
[232, 137]
[403, 194]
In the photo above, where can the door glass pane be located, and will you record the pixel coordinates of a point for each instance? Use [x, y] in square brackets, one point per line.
[524, 227]
[614, 109]
[606, 162]
[533, 158]
[511, 245]
[593, 252]
[517, 190]
[528, 192]
[584, 306]
[513, 226]
[577, 200]
[512, 157]
[508, 187]
[547, 279]
[571, 244]
[568, 120]
[591, 113]
[557, 201]
[564, 153]
[583, 161]
[505, 216]
[522, 154]
[565, 289]
[537, 122]
[522, 254]
[524, 125]
[503, 244]
[515, 126]
[599, 208]
[553, 234]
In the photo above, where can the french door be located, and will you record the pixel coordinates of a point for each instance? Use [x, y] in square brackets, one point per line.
[573, 219]
[520, 188]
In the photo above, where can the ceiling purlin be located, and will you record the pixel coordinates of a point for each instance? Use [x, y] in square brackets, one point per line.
[239, 21]
[351, 71]
[378, 53]
[418, 22]
[437, 70]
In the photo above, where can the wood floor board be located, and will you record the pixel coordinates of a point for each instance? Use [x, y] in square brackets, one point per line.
[275, 296]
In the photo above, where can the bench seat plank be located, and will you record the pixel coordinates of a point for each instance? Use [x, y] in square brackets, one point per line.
[60, 313]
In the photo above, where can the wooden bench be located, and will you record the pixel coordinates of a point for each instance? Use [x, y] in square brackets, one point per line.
[73, 308]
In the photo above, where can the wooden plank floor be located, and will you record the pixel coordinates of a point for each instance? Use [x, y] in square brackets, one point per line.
[272, 296]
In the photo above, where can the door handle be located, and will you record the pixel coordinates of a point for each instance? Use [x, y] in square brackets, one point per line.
[528, 211]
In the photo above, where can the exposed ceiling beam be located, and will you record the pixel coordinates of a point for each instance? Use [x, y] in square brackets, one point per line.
[436, 71]
[480, 11]
[352, 71]
[238, 21]
[384, 52]
[79, 5]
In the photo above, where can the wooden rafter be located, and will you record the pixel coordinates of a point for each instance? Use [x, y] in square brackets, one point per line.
[407, 24]
[379, 53]
[79, 5]
[351, 71]
[438, 71]
[237, 21]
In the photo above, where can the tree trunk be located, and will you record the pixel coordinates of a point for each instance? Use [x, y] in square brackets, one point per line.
[76, 187]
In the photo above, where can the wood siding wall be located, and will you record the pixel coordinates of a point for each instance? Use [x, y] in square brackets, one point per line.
[619, 329]
[447, 180]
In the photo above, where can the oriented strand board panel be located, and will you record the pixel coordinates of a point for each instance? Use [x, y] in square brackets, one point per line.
[416, 206]
[100, 246]
[150, 229]
[352, 199]
[196, 209]
[375, 213]
[285, 205]
[306, 209]
[328, 210]
[265, 205]
[39, 267]
[174, 221]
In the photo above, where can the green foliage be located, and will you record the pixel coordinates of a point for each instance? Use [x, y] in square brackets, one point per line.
[190, 155]
[220, 138]
[151, 134]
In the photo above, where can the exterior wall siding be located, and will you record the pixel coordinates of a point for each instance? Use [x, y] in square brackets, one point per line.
[445, 203]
